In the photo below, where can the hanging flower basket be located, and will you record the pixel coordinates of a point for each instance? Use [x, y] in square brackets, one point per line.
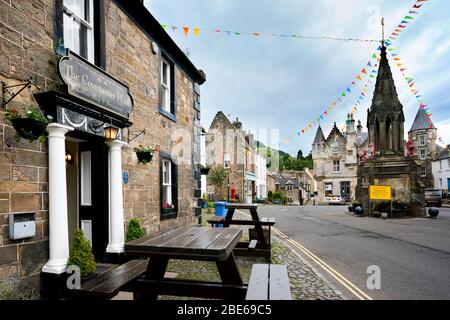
[30, 126]
[144, 154]
[29, 129]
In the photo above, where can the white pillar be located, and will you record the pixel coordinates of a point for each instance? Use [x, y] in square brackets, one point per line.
[116, 225]
[57, 194]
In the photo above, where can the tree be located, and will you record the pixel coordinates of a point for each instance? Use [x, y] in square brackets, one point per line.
[216, 177]
[299, 154]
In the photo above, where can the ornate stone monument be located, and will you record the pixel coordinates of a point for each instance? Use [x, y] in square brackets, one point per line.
[389, 166]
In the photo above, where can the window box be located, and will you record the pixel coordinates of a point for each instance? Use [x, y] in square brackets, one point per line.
[166, 211]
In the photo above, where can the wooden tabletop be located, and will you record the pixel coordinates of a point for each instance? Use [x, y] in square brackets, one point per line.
[241, 206]
[192, 243]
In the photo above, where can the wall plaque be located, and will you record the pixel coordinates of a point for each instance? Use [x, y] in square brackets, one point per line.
[91, 84]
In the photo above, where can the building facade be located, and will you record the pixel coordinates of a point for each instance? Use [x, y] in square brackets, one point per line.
[336, 160]
[423, 134]
[230, 147]
[92, 66]
[441, 170]
[261, 177]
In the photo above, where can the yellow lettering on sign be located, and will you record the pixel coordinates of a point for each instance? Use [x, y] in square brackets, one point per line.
[380, 192]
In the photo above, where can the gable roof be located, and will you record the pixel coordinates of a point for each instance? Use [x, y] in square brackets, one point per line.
[444, 154]
[422, 121]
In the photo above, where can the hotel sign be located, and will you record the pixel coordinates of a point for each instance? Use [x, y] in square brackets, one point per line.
[93, 85]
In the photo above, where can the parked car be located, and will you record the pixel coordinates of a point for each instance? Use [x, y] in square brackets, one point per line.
[335, 200]
[433, 197]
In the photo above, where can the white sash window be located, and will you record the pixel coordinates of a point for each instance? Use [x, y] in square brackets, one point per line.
[79, 27]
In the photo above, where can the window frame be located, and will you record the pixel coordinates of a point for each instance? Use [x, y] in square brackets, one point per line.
[81, 21]
[336, 164]
[424, 140]
[423, 171]
[170, 87]
[172, 183]
[424, 156]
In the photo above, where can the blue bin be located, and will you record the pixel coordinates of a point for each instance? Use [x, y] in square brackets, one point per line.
[220, 209]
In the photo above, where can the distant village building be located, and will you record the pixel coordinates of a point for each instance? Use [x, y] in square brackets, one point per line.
[441, 170]
[423, 134]
[270, 182]
[295, 185]
[336, 159]
[228, 145]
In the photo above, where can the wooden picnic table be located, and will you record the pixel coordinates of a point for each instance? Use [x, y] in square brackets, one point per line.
[188, 243]
[259, 247]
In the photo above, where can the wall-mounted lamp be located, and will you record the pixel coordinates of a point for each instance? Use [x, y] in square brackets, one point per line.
[68, 158]
[111, 133]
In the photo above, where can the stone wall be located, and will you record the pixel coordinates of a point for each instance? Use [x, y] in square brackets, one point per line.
[129, 58]
[26, 52]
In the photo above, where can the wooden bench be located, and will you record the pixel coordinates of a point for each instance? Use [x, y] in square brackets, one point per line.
[248, 248]
[268, 282]
[108, 284]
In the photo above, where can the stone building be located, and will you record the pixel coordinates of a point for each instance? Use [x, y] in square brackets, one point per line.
[229, 146]
[336, 160]
[123, 74]
[406, 175]
[289, 185]
[423, 134]
[441, 170]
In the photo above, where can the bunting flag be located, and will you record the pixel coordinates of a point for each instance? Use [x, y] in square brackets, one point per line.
[364, 72]
[197, 30]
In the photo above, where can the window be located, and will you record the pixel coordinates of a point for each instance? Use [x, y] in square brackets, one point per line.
[335, 146]
[78, 25]
[423, 154]
[289, 187]
[169, 188]
[440, 164]
[422, 140]
[277, 186]
[328, 189]
[440, 182]
[167, 92]
[448, 163]
[423, 171]
[336, 166]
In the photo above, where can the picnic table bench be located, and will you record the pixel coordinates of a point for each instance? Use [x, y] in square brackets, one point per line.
[108, 284]
[188, 243]
[261, 247]
[268, 282]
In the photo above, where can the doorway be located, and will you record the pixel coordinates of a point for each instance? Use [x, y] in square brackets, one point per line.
[88, 192]
[345, 190]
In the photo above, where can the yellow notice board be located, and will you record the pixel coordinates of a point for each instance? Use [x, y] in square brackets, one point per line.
[380, 192]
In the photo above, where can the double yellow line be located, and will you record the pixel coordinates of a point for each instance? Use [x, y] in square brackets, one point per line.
[336, 275]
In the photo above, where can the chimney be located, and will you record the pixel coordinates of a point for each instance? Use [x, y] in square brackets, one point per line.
[359, 129]
[350, 124]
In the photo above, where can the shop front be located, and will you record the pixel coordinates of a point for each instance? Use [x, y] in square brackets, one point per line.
[85, 164]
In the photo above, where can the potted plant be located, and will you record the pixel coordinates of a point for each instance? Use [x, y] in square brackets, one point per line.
[205, 200]
[82, 256]
[210, 206]
[30, 126]
[144, 154]
[167, 208]
[135, 231]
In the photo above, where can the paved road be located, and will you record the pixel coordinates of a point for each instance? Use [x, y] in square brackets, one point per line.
[413, 254]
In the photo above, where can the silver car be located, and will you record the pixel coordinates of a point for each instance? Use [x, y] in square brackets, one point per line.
[335, 200]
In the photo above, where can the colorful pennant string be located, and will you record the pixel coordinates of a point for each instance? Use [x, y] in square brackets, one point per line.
[197, 30]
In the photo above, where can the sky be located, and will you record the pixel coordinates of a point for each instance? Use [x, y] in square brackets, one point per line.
[285, 83]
